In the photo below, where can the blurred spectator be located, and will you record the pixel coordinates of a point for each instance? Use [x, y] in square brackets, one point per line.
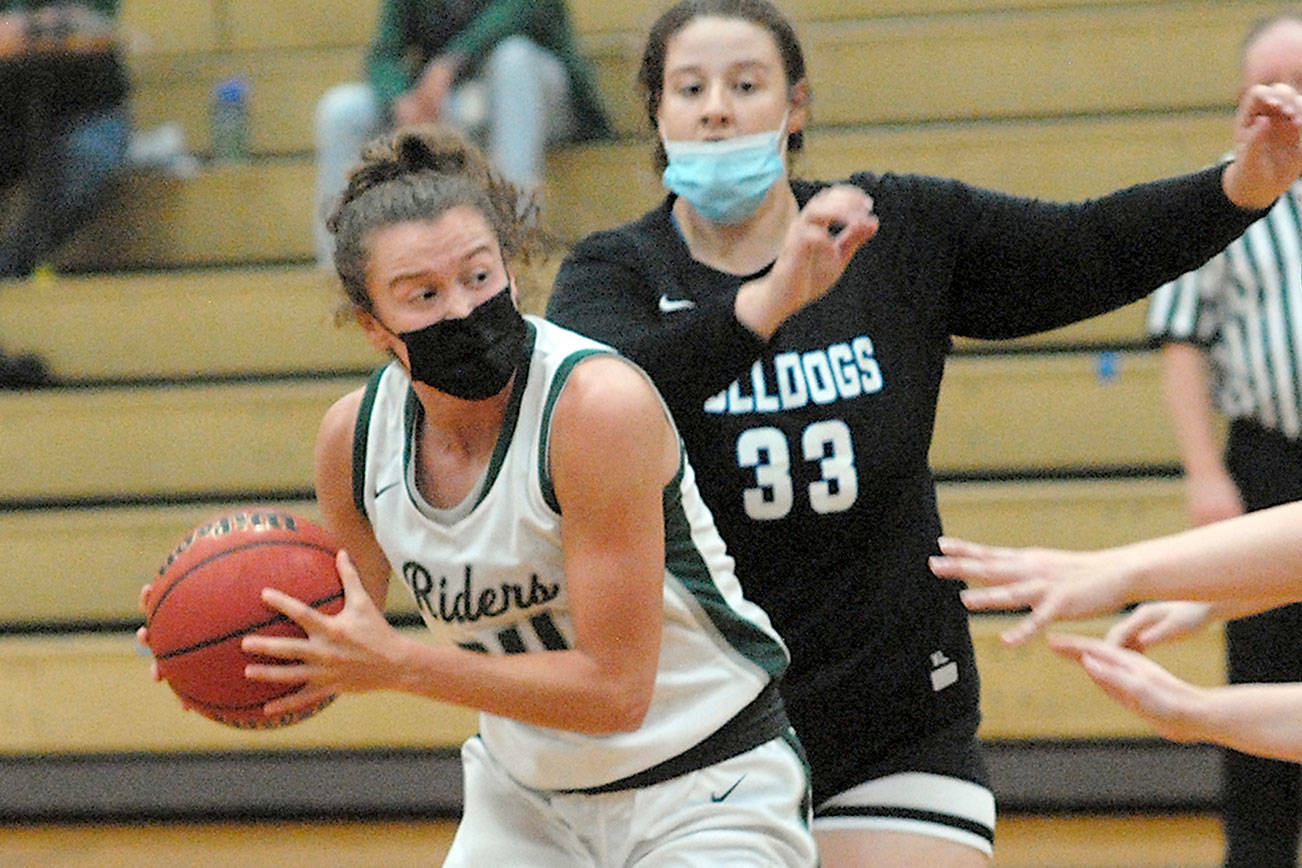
[507, 72]
[64, 129]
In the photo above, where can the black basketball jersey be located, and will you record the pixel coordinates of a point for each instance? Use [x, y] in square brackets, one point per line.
[811, 448]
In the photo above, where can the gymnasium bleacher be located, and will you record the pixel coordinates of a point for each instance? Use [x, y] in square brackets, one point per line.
[195, 340]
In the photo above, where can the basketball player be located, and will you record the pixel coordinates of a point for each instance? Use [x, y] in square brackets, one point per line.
[527, 485]
[810, 427]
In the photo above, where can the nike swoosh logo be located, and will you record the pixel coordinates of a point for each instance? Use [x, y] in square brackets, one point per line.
[385, 488]
[672, 305]
[726, 793]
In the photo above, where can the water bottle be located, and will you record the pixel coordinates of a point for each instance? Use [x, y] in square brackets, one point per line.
[230, 121]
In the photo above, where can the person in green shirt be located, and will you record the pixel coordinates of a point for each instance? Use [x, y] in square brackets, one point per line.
[508, 72]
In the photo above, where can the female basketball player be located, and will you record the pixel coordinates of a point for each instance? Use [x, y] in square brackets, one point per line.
[529, 488]
[810, 431]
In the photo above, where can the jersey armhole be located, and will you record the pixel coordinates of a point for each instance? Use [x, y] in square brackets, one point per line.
[361, 434]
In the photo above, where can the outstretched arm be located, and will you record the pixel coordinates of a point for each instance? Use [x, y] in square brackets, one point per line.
[1254, 560]
[613, 288]
[1263, 719]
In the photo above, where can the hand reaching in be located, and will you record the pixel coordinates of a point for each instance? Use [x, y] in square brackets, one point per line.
[1055, 585]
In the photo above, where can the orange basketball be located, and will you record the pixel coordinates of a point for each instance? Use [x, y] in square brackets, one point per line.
[207, 597]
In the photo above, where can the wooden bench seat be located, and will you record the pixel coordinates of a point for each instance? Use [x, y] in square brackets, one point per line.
[101, 555]
[269, 321]
[1166, 57]
[261, 212]
[48, 710]
[1021, 414]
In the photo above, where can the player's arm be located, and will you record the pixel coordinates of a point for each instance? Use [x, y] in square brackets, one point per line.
[1253, 561]
[333, 472]
[612, 451]
[1263, 719]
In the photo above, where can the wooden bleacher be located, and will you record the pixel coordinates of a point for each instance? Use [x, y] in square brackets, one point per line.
[195, 335]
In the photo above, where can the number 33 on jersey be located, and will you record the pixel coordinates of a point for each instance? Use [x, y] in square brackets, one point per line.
[842, 371]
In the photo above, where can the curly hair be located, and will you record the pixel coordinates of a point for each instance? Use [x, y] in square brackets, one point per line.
[418, 173]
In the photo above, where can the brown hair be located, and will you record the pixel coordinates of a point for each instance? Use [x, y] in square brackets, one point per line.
[651, 74]
[418, 173]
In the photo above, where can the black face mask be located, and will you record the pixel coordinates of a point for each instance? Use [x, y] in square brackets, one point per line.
[473, 357]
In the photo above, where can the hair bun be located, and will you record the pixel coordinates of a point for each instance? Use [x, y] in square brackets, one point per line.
[436, 148]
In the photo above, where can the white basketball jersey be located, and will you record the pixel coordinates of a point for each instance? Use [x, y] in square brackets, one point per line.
[488, 575]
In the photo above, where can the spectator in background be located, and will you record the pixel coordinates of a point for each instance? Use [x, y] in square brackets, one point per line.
[508, 72]
[64, 129]
[1232, 344]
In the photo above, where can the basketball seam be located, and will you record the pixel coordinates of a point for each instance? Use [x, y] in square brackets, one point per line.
[279, 617]
[223, 553]
[245, 630]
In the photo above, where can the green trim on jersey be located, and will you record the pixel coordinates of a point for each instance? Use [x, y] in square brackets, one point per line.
[511, 415]
[683, 561]
[361, 434]
[545, 430]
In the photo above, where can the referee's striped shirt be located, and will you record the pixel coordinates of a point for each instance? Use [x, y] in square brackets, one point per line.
[1245, 307]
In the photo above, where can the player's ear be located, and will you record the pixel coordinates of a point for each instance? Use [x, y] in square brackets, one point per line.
[798, 111]
[376, 334]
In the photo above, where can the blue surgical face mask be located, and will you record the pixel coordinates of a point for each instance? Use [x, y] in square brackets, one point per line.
[725, 181]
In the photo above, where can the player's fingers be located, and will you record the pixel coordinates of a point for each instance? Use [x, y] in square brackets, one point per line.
[999, 596]
[852, 237]
[1275, 99]
[1070, 645]
[1128, 632]
[349, 576]
[967, 568]
[309, 697]
[1027, 627]
[276, 673]
[961, 548]
[279, 647]
[296, 610]
[142, 600]
[837, 204]
[1107, 676]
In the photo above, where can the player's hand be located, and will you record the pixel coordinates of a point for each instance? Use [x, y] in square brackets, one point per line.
[1153, 623]
[815, 251]
[1055, 585]
[1267, 147]
[1139, 684]
[351, 651]
[142, 635]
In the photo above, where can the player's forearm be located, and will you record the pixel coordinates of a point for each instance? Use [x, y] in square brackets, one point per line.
[557, 689]
[1257, 556]
[1263, 719]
